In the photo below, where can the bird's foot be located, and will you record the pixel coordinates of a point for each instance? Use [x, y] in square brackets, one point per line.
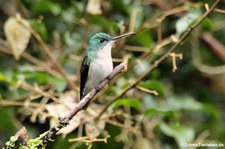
[96, 88]
[109, 77]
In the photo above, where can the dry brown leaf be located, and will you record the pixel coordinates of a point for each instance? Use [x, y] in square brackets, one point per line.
[17, 34]
[94, 128]
[142, 142]
[56, 110]
[94, 7]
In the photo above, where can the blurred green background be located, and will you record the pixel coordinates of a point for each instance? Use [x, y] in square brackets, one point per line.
[189, 107]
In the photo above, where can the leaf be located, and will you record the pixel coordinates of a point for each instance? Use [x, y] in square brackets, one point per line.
[182, 134]
[208, 108]
[102, 22]
[123, 6]
[153, 85]
[17, 35]
[183, 23]
[4, 78]
[42, 6]
[8, 121]
[56, 110]
[138, 14]
[143, 38]
[207, 24]
[43, 78]
[73, 40]
[134, 103]
[94, 7]
[184, 103]
[190, 104]
[141, 67]
[143, 142]
[39, 77]
[40, 28]
[94, 128]
[59, 83]
[154, 111]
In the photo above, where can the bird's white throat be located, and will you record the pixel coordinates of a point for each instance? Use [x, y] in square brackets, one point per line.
[105, 52]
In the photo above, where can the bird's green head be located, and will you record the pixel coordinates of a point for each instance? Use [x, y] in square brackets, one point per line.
[100, 40]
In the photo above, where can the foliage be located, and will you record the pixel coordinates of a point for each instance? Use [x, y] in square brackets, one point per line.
[181, 101]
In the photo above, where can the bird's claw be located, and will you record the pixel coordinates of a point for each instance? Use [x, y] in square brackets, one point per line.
[97, 88]
[109, 77]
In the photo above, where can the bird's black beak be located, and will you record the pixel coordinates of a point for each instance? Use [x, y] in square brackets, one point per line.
[123, 35]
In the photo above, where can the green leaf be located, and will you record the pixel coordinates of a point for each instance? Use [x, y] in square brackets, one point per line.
[153, 85]
[40, 28]
[4, 78]
[8, 121]
[104, 23]
[190, 104]
[207, 24]
[134, 103]
[121, 6]
[58, 83]
[139, 17]
[143, 39]
[154, 111]
[208, 108]
[69, 14]
[38, 77]
[184, 103]
[42, 6]
[182, 134]
[73, 40]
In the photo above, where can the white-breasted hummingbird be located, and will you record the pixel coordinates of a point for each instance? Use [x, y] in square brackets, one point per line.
[97, 63]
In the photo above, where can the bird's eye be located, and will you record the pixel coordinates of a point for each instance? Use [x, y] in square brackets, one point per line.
[102, 40]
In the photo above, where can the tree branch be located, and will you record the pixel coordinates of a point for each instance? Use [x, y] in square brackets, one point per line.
[217, 47]
[63, 122]
[162, 58]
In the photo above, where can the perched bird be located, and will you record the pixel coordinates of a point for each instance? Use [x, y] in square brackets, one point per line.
[97, 63]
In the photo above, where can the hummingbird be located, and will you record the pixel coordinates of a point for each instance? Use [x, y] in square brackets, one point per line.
[97, 63]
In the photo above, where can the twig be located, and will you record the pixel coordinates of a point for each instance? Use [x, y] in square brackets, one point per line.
[85, 139]
[219, 10]
[37, 90]
[154, 92]
[217, 47]
[174, 62]
[127, 127]
[162, 58]
[18, 103]
[197, 61]
[63, 122]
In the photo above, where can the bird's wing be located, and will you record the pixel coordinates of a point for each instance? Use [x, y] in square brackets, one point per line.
[84, 74]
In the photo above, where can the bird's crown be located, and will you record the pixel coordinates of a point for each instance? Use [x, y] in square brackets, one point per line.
[98, 40]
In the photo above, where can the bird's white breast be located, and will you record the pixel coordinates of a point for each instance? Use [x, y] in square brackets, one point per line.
[100, 67]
